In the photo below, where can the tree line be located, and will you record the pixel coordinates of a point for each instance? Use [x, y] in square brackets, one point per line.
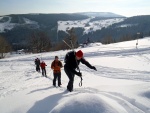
[4, 47]
[38, 42]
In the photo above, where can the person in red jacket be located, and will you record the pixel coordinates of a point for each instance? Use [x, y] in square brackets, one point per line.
[42, 64]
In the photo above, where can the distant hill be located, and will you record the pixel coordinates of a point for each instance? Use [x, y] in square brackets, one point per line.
[18, 28]
[96, 26]
[100, 14]
[126, 29]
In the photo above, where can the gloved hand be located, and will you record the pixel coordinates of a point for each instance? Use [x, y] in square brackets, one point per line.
[79, 74]
[94, 68]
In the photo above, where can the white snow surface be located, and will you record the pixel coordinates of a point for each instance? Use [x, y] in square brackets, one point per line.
[27, 21]
[121, 83]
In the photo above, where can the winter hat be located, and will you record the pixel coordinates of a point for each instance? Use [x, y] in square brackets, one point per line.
[56, 57]
[79, 54]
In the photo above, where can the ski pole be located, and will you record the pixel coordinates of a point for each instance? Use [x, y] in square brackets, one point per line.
[80, 83]
[67, 44]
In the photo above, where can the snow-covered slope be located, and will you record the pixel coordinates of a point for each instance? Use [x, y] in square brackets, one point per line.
[6, 25]
[87, 25]
[121, 83]
[9, 26]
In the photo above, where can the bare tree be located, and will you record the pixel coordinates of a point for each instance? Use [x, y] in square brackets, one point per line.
[4, 47]
[107, 40]
[39, 42]
[71, 37]
[126, 37]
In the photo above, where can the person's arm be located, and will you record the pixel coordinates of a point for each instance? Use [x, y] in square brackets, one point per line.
[61, 64]
[52, 65]
[35, 62]
[83, 61]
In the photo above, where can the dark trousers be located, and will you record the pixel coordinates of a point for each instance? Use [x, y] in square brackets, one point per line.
[71, 78]
[57, 76]
[44, 72]
[38, 68]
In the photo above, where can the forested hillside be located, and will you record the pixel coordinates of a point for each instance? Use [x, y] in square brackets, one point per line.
[19, 29]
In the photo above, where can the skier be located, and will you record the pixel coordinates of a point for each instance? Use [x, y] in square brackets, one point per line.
[72, 60]
[37, 63]
[56, 66]
[42, 64]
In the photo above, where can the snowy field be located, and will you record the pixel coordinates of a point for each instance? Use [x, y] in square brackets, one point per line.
[121, 83]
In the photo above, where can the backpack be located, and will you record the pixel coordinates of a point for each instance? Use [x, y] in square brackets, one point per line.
[68, 55]
[66, 58]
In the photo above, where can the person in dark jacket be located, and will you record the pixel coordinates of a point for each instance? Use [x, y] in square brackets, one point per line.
[56, 66]
[43, 65]
[72, 60]
[37, 63]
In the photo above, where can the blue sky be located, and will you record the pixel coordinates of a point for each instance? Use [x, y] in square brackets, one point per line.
[123, 7]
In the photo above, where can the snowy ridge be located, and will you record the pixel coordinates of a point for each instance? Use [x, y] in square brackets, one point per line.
[100, 14]
[120, 84]
[87, 25]
[8, 25]
[27, 21]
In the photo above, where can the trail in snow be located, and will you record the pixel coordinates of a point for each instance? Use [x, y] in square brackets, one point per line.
[120, 84]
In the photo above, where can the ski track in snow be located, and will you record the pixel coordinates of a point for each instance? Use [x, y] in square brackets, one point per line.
[26, 78]
[120, 73]
[20, 75]
[128, 104]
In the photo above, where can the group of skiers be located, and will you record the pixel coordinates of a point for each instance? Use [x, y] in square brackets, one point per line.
[72, 61]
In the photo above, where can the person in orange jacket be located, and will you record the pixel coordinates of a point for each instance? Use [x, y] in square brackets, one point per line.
[42, 64]
[56, 66]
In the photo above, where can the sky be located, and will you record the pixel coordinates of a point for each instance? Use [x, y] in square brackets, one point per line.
[126, 8]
